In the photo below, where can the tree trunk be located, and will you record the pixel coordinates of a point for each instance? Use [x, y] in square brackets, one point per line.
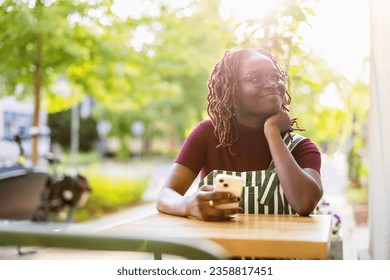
[38, 78]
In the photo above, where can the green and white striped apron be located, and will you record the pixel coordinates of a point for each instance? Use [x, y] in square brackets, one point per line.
[262, 193]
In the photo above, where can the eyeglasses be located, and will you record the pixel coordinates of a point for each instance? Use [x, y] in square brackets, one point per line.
[261, 79]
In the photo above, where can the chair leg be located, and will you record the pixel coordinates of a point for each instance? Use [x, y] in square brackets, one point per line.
[21, 253]
[336, 249]
[157, 255]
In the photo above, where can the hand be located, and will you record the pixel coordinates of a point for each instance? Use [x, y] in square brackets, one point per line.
[280, 121]
[200, 207]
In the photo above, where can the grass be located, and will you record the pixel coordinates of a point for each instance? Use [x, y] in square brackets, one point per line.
[110, 193]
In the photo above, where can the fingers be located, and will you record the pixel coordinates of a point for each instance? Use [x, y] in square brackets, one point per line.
[212, 212]
[206, 188]
[216, 202]
[280, 121]
[206, 192]
[209, 200]
[221, 214]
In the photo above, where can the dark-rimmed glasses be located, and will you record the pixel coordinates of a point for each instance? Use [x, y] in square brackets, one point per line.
[261, 79]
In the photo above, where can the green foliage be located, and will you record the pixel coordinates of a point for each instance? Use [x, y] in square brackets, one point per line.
[60, 124]
[50, 35]
[169, 93]
[109, 194]
[357, 195]
[183, 58]
[45, 42]
[88, 160]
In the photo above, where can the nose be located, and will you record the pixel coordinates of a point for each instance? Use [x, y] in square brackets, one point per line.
[269, 83]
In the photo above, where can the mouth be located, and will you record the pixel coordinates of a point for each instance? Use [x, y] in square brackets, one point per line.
[268, 93]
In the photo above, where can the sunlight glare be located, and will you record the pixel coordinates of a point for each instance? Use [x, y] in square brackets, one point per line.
[331, 98]
[247, 9]
[341, 34]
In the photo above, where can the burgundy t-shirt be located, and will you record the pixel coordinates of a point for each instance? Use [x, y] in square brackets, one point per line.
[199, 152]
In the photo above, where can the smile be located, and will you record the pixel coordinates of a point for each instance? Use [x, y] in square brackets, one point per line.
[268, 94]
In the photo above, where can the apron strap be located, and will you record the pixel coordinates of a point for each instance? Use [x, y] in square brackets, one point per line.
[290, 142]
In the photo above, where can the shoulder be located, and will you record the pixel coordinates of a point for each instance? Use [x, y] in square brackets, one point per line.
[207, 125]
[202, 131]
[307, 155]
[304, 146]
[204, 127]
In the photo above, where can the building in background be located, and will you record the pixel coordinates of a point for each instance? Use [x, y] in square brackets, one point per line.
[16, 119]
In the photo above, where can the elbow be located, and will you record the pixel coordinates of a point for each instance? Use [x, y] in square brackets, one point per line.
[304, 212]
[159, 203]
[308, 204]
[306, 208]
[158, 206]
[161, 207]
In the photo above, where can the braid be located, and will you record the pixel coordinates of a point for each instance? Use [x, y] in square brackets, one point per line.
[222, 97]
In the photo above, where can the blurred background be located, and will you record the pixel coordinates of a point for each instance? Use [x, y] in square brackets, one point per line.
[114, 87]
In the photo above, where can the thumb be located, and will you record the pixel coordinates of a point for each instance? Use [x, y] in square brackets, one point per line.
[207, 188]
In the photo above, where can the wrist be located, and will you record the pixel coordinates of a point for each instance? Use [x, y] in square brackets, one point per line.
[271, 130]
[187, 206]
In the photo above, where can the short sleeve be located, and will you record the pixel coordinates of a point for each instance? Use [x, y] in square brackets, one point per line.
[307, 155]
[193, 153]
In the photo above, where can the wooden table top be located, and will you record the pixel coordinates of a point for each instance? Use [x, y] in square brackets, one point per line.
[262, 236]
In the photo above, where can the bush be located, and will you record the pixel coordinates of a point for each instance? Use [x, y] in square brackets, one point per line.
[109, 194]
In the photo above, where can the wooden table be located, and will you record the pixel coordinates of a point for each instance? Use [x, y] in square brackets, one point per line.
[262, 236]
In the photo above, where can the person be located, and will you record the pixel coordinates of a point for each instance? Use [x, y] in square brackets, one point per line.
[249, 134]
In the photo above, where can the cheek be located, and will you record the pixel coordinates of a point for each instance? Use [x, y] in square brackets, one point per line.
[245, 98]
[282, 91]
[244, 93]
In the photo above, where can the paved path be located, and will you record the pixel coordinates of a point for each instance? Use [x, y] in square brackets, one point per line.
[334, 177]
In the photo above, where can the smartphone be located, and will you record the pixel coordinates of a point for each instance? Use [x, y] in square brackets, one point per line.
[228, 183]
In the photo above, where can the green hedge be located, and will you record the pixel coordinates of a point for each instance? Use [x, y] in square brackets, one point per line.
[109, 194]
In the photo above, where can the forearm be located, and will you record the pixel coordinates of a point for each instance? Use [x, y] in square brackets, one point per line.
[302, 191]
[171, 202]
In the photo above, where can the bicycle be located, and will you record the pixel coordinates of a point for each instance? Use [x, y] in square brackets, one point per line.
[38, 195]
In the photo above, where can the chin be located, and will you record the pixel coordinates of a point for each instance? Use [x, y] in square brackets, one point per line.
[272, 113]
[274, 109]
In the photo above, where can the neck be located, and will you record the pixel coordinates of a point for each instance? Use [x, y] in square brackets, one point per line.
[254, 122]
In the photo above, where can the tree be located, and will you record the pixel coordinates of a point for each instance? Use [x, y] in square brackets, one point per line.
[176, 66]
[43, 42]
[184, 56]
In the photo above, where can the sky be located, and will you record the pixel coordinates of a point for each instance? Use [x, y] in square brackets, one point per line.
[339, 32]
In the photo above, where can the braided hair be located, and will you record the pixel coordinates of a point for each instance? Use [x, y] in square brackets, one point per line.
[222, 97]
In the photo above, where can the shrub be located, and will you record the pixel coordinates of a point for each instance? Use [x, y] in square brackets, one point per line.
[110, 194]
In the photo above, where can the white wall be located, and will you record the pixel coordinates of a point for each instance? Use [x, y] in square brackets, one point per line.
[23, 111]
[379, 130]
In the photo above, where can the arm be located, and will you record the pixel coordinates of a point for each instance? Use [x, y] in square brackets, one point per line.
[171, 199]
[302, 187]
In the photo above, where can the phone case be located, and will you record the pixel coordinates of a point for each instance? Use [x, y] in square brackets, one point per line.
[228, 183]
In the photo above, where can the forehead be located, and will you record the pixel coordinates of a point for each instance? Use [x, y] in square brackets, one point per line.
[256, 62]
